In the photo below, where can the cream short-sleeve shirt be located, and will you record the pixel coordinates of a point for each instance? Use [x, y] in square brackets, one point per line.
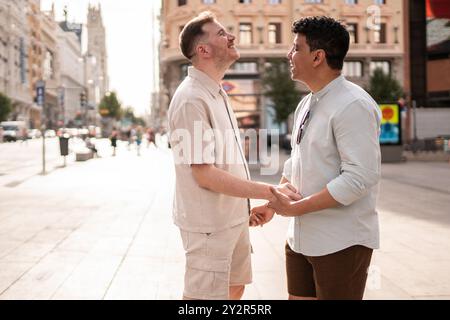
[203, 130]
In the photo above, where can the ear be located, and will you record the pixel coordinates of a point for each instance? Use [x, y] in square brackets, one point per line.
[202, 50]
[319, 57]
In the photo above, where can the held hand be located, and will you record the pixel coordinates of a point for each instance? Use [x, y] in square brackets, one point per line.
[289, 190]
[282, 204]
[254, 221]
[261, 215]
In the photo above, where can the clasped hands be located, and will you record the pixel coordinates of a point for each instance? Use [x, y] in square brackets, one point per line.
[281, 202]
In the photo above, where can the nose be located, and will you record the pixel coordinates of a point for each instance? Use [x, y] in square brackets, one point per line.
[289, 54]
[231, 37]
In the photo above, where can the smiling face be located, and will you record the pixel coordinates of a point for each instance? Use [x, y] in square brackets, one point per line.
[221, 44]
[301, 59]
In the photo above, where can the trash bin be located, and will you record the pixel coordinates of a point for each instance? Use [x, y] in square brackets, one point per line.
[64, 144]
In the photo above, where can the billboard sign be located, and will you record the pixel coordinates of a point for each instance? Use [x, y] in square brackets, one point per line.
[40, 93]
[390, 124]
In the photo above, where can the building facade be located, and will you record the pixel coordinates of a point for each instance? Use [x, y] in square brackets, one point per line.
[14, 42]
[72, 75]
[35, 58]
[262, 29]
[52, 115]
[96, 57]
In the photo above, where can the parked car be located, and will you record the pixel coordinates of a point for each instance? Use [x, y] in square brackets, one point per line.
[34, 134]
[50, 133]
[14, 130]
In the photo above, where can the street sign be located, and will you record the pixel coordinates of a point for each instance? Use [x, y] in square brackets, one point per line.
[61, 94]
[40, 92]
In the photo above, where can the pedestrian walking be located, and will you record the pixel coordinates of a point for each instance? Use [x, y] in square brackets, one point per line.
[113, 138]
[139, 135]
[151, 137]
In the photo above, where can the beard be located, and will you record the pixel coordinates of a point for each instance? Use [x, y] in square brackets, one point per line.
[224, 58]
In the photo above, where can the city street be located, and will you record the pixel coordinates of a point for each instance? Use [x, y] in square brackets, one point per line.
[102, 229]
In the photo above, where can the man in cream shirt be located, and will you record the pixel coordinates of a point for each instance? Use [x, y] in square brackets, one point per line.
[211, 205]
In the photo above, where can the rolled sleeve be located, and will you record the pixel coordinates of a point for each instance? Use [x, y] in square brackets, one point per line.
[192, 137]
[356, 130]
[287, 169]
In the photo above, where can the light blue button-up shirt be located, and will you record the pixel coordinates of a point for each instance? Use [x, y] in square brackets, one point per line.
[340, 151]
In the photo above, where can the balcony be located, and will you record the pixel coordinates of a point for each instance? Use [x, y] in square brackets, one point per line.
[171, 54]
[375, 48]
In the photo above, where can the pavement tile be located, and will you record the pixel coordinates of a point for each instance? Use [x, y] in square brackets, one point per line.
[43, 279]
[11, 271]
[90, 279]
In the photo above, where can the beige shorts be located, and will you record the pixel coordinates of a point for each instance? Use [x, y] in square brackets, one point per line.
[215, 261]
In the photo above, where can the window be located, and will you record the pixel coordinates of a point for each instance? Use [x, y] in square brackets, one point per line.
[383, 65]
[245, 34]
[353, 69]
[352, 29]
[245, 67]
[274, 1]
[48, 65]
[182, 2]
[274, 33]
[379, 2]
[351, 1]
[313, 1]
[245, 1]
[209, 1]
[379, 36]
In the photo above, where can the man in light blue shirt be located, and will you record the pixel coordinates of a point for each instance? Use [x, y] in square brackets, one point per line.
[335, 165]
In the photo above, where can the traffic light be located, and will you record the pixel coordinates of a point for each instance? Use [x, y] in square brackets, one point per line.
[83, 100]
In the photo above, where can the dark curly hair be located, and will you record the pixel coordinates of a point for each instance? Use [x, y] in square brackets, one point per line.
[327, 34]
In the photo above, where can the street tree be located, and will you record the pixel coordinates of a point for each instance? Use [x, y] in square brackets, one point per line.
[5, 107]
[128, 114]
[279, 87]
[384, 88]
[110, 106]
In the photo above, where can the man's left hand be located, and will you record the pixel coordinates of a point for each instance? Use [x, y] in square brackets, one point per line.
[282, 204]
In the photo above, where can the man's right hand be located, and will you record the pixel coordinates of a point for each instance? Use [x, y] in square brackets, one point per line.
[289, 190]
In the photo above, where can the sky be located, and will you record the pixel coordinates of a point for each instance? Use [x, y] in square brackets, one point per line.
[129, 31]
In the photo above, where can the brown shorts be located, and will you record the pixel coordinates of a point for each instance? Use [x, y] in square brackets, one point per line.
[337, 276]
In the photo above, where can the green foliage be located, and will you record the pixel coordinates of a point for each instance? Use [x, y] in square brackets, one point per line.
[384, 88]
[110, 106]
[5, 107]
[281, 89]
[128, 113]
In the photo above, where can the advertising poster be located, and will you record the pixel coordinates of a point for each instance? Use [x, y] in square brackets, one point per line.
[390, 124]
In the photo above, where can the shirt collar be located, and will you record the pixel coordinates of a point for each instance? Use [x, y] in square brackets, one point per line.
[212, 86]
[330, 86]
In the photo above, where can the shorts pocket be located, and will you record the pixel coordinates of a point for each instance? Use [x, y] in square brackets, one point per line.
[207, 277]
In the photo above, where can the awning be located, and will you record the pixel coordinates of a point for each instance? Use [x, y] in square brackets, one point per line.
[438, 9]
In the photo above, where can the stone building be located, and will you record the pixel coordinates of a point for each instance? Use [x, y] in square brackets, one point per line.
[262, 28]
[14, 70]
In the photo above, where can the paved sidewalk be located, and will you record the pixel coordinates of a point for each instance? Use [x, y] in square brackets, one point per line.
[103, 230]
